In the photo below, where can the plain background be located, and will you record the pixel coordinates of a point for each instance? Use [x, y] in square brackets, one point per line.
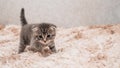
[63, 13]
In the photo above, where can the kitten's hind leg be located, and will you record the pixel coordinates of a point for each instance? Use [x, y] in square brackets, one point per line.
[21, 48]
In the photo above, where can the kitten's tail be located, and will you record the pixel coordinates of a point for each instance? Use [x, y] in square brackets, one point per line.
[22, 17]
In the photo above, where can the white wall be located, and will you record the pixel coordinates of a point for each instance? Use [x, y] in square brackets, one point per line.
[61, 12]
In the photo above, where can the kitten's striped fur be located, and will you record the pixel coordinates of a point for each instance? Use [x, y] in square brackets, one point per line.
[36, 35]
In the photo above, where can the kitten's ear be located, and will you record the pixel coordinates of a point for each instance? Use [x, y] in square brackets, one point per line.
[53, 27]
[34, 28]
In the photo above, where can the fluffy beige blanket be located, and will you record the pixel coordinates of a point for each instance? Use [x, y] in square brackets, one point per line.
[79, 47]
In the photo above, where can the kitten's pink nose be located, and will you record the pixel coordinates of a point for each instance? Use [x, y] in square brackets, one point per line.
[45, 41]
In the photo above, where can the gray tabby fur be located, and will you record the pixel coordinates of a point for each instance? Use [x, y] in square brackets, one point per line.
[37, 36]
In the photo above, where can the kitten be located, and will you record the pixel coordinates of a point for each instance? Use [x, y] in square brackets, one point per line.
[37, 36]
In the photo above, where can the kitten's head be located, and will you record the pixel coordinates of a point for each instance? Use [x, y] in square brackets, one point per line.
[44, 33]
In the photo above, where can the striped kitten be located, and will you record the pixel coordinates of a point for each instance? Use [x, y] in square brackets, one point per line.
[37, 36]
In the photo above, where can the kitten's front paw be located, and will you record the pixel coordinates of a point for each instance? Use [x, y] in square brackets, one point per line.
[46, 51]
[29, 48]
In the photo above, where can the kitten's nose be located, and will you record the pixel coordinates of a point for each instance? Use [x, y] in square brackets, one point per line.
[45, 41]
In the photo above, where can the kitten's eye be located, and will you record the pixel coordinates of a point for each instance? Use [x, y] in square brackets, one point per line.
[48, 36]
[40, 36]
